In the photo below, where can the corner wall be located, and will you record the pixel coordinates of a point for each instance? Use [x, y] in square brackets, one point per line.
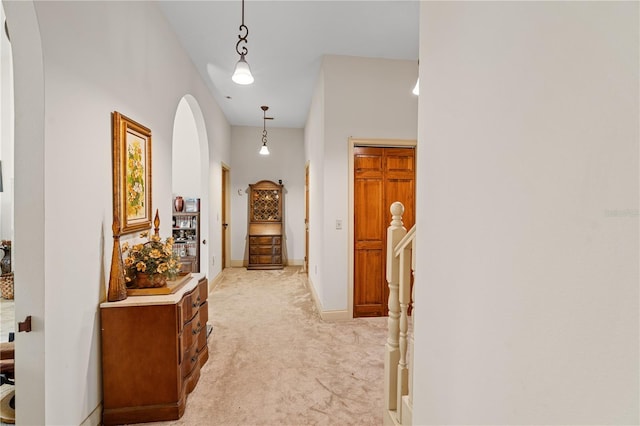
[363, 98]
[527, 285]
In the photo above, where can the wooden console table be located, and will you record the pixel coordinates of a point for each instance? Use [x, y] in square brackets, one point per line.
[152, 351]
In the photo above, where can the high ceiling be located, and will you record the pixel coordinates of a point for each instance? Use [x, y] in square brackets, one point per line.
[286, 42]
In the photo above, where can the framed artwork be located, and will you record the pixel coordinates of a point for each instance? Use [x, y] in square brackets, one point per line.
[131, 174]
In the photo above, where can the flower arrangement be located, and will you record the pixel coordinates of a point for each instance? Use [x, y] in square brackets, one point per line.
[154, 258]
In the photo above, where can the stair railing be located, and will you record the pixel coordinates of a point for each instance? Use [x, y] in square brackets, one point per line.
[398, 384]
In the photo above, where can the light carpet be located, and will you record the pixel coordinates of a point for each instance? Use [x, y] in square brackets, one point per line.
[274, 361]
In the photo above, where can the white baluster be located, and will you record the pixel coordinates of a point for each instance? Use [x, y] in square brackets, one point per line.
[413, 321]
[395, 232]
[404, 296]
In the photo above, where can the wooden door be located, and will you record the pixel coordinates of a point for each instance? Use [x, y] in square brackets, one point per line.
[306, 219]
[381, 176]
[225, 225]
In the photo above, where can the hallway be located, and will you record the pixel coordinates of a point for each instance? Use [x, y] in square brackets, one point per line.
[274, 361]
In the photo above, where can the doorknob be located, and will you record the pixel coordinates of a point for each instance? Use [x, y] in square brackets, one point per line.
[204, 241]
[225, 225]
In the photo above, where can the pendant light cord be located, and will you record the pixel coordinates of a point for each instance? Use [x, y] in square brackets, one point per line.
[242, 38]
[264, 127]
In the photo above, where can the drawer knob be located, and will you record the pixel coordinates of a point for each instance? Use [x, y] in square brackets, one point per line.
[194, 331]
[194, 358]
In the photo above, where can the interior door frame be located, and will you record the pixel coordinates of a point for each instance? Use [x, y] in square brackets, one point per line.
[353, 142]
[305, 262]
[226, 216]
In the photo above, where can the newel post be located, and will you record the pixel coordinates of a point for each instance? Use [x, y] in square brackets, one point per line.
[395, 233]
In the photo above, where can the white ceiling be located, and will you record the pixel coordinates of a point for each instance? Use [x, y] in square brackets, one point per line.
[286, 42]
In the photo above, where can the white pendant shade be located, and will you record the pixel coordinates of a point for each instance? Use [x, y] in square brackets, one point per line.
[242, 73]
[264, 150]
[416, 89]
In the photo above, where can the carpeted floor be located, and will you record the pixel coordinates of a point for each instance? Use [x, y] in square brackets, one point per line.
[273, 361]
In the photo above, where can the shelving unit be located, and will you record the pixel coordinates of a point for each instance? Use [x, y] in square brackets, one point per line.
[186, 236]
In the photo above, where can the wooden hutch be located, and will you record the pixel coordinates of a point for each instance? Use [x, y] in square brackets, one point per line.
[265, 226]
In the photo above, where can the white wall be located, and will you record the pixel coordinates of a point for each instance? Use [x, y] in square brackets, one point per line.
[362, 98]
[527, 284]
[314, 131]
[286, 163]
[6, 133]
[185, 154]
[126, 59]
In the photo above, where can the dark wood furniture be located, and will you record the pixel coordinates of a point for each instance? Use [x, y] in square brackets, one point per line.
[152, 351]
[265, 226]
[186, 236]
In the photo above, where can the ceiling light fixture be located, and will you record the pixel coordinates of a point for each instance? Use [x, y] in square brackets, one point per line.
[264, 150]
[416, 88]
[242, 72]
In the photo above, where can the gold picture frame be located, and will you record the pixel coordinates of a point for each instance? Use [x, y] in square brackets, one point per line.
[131, 174]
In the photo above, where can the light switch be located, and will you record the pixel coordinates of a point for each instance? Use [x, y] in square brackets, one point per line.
[338, 223]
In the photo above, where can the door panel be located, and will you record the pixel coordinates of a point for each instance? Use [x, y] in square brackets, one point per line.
[381, 176]
[369, 213]
[368, 296]
[400, 161]
[400, 190]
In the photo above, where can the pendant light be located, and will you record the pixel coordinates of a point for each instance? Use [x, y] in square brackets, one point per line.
[264, 150]
[242, 73]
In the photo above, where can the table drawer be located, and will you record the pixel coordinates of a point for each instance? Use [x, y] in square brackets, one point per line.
[204, 317]
[262, 250]
[191, 330]
[265, 240]
[203, 290]
[264, 260]
[190, 360]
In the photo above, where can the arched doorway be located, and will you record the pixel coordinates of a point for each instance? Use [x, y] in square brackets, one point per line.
[28, 251]
[190, 167]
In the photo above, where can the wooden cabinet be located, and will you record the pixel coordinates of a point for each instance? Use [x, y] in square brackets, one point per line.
[152, 350]
[265, 226]
[265, 250]
[186, 236]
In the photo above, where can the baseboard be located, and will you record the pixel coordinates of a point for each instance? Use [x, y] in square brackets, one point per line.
[329, 316]
[389, 418]
[95, 418]
[214, 282]
[244, 263]
[314, 295]
[334, 316]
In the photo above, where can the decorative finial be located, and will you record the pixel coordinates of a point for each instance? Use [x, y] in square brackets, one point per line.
[397, 210]
[156, 223]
